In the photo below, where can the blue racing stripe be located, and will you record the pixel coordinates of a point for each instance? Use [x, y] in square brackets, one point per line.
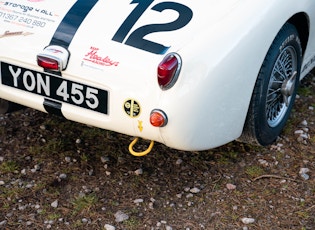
[71, 22]
[63, 37]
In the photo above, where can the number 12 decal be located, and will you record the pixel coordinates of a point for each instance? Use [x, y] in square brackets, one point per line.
[136, 38]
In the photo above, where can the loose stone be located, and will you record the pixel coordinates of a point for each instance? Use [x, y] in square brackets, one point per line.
[37, 167]
[2, 223]
[298, 132]
[54, 204]
[138, 201]
[190, 195]
[63, 176]
[104, 159]
[248, 220]
[304, 123]
[231, 186]
[179, 195]
[121, 216]
[139, 172]
[195, 190]
[303, 172]
[109, 227]
[85, 220]
[68, 159]
[29, 186]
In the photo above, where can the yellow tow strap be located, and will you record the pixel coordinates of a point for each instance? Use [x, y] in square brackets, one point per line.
[139, 154]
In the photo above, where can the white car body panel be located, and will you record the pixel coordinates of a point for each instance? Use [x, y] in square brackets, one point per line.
[222, 48]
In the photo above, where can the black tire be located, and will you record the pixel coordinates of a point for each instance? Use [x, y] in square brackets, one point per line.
[275, 89]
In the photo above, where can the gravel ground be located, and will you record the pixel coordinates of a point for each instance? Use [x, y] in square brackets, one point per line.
[57, 174]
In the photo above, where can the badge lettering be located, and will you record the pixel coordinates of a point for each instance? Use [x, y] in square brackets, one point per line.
[93, 56]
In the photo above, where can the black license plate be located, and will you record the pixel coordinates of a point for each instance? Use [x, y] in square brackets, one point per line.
[54, 87]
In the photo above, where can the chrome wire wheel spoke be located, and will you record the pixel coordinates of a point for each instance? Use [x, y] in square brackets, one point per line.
[281, 86]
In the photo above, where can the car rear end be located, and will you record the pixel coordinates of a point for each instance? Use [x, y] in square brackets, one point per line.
[136, 71]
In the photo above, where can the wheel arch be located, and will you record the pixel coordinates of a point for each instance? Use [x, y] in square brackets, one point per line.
[302, 24]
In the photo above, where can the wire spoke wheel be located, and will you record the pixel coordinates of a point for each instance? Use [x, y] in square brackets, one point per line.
[280, 88]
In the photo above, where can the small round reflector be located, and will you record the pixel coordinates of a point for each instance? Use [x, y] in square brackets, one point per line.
[158, 118]
[168, 70]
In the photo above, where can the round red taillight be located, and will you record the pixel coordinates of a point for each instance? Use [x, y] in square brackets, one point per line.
[158, 118]
[168, 70]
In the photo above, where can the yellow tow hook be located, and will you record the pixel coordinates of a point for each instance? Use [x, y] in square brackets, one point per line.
[139, 154]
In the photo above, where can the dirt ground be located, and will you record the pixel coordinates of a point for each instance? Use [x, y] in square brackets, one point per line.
[57, 174]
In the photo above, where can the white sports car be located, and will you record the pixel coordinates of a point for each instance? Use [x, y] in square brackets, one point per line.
[193, 75]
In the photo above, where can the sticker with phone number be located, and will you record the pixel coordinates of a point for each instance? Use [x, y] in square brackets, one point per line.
[22, 20]
[54, 87]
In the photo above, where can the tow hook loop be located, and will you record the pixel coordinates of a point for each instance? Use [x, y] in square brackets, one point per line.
[139, 154]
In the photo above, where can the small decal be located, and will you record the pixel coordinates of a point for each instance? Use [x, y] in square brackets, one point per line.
[54, 51]
[132, 108]
[25, 15]
[140, 126]
[11, 34]
[94, 57]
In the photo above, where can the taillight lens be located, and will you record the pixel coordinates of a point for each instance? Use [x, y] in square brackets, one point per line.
[48, 63]
[168, 70]
[158, 118]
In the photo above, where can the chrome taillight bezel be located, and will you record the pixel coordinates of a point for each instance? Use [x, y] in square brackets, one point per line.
[175, 72]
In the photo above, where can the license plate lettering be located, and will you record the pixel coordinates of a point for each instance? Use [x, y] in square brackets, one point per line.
[30, 81]
[54, 87]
